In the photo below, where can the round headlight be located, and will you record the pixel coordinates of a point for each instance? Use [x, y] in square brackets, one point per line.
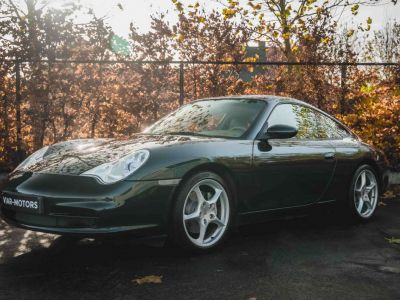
[114, 171]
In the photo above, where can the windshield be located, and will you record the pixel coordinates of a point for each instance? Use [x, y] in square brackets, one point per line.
[216, 118]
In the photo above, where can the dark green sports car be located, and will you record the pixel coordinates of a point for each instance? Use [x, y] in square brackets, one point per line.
[196, 173]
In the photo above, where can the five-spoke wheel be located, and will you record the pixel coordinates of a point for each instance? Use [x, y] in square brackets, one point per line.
[364, 193]
[206, 212]
[202, 212]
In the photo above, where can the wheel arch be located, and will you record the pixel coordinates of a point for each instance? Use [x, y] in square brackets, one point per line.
[372, 163]
[217, 168]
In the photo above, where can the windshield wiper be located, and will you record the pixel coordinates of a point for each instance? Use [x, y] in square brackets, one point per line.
[183, 133]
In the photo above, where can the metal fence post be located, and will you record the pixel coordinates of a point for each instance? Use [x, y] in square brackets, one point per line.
[181, 85]
[18, 109]
[343, 79]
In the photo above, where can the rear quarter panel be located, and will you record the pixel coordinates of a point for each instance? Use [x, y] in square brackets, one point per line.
[351, 154]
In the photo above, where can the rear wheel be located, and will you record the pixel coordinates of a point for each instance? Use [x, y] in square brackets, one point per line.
[364, 193]
[202, 213]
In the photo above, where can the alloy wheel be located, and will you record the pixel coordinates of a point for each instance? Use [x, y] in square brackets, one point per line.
[206, 213]
[365, 193]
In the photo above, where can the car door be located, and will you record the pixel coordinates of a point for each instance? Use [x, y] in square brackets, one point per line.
[296, 171]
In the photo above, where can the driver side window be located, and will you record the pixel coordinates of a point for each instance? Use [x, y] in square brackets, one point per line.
[298, 116]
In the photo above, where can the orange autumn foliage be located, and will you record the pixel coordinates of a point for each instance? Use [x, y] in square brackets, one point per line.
[61, 101]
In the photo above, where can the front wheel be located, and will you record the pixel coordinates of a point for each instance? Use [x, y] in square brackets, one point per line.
[364, 193]
[202, 212]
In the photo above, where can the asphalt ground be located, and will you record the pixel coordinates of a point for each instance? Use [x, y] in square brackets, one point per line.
[316, 257]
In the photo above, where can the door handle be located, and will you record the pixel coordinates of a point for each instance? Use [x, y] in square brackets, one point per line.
[329, 155]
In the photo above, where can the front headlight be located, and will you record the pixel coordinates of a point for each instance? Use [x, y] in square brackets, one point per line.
[32, 159]
[114, 171]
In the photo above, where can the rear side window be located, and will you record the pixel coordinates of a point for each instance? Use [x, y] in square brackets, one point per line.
[329, 129]
[298, 116]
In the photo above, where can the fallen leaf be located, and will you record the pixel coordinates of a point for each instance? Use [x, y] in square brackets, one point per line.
[394, 241]
[382, 203]
[148, 279]
[389, 194]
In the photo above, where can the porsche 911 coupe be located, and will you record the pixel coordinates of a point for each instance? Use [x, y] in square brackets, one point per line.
[196, 173]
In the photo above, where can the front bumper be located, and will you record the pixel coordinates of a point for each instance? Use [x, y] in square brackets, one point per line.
[73, 225]
[80, 205]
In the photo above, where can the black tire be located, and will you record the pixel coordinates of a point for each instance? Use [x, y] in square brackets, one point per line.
[178, 235]
[351, 206]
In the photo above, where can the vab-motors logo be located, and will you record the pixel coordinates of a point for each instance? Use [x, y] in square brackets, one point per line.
[20, 203]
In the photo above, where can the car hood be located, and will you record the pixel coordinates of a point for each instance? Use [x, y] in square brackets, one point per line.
[77, 156]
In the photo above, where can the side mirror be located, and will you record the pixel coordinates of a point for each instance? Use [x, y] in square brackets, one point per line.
[280, 131]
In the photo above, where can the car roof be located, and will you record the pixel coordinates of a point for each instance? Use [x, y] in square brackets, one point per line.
[266, 98]
[276, 99]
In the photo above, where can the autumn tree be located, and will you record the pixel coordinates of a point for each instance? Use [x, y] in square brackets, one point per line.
[156, 91]
[201, 36]
[64, 100]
